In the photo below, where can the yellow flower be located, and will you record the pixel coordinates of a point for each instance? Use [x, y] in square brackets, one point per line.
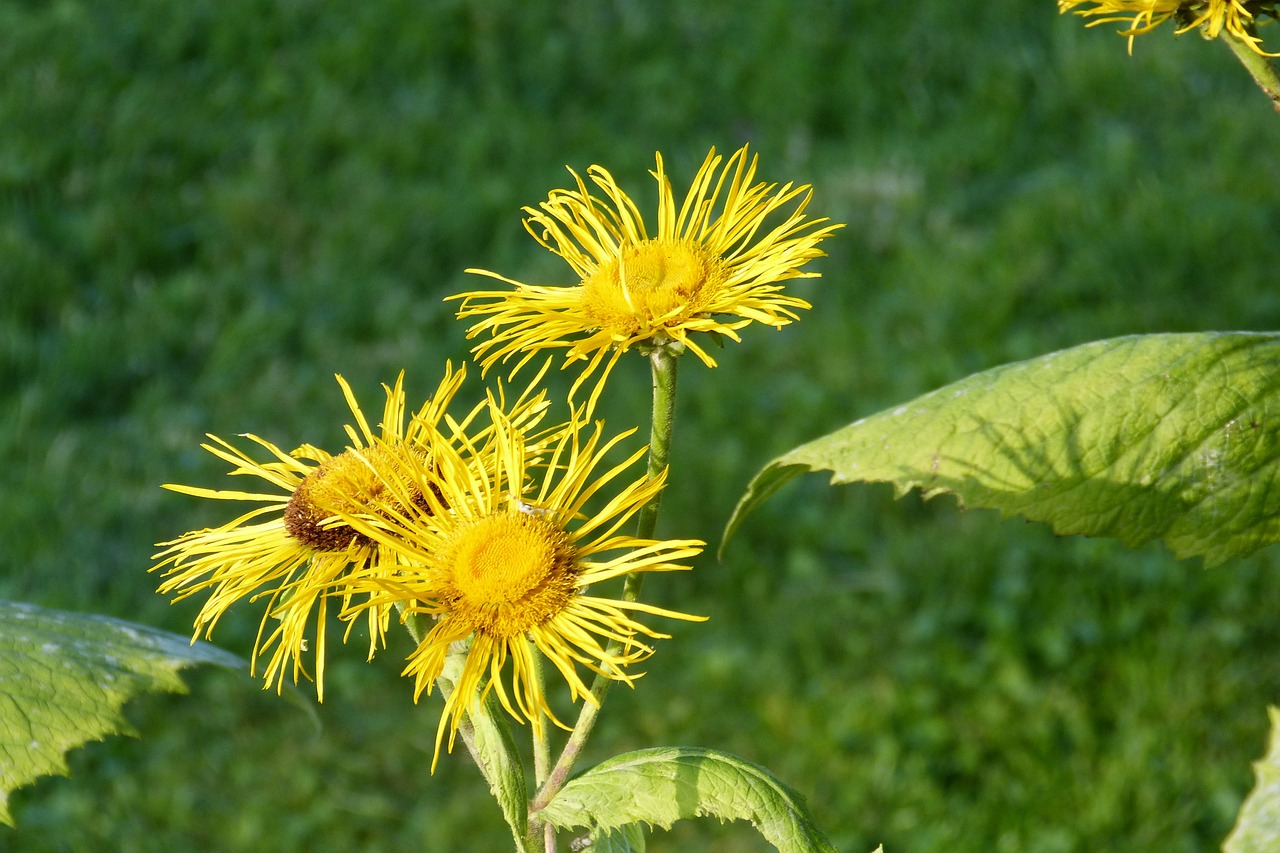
[700, 272]
[292, 549]
[501, 555]
[1238, 17]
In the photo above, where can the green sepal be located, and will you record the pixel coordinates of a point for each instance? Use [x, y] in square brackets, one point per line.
[662, 785]
[64, 678]
[1173, 437]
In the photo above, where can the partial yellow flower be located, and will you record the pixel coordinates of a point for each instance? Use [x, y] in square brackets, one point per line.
[1237, 17]
[292, 549]
[701, 271]
[501, 555]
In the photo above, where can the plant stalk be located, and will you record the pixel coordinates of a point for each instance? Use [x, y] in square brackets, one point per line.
[541, 766]
[662, 364]
[1258, 66]
[492, 766]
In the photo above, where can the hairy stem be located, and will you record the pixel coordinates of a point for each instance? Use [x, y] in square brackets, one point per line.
[1258, 66]
[663, 366]
[496, 754]
[541, 766]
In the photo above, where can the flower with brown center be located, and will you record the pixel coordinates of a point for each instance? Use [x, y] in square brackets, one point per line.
[502, 558]
[294, 549]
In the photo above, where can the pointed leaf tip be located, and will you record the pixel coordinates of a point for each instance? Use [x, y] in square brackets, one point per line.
[64, 678]
[1173, 437]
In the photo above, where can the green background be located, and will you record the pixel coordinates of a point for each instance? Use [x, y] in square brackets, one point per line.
[209, 208]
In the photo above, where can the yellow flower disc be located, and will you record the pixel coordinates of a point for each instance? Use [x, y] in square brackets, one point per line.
[508, 573]
[654, 281]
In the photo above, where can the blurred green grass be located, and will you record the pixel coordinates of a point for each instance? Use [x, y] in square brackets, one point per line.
[207, 209]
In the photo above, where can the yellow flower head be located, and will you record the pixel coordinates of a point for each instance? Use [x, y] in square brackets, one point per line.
[293, 549]
[702, 271]
[1237, 17]
[501, 555]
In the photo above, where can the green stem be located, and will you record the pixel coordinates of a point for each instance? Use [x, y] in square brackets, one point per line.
[663, 365]
[492, 747]
[414, 623]
[1258, 66]
[445, 683]
[541, 766]
[541, 743]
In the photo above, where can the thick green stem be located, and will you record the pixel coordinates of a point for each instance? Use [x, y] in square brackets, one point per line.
[488, 740]
[541, 743]
[541, 766]
[663, 364]
[418, 626]
[1258, 66]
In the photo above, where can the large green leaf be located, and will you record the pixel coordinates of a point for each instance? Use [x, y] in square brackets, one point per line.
[662, 785]
[1257, 827]
[64, 677]
[1173, 437]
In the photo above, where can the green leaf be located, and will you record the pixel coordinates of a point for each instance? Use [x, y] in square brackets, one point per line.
[1173, 437]
[660, 786]
[500, 763]
[488, 739]
[64, 678]
[1257, 828]
[627, 839]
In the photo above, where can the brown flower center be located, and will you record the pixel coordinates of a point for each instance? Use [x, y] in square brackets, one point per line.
[345, 484]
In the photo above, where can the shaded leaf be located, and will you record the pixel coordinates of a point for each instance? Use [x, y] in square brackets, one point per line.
[1173, 437]
[500, 763]
[662, 785]
[64, 677]
[1257, 828]
[626, 839]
